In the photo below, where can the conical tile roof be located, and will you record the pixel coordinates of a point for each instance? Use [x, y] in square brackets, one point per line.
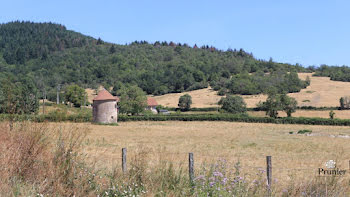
[104, 95]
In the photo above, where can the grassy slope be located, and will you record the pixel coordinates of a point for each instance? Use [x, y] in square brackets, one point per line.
[321, 93]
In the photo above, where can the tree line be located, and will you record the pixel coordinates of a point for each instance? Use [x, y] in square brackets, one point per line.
[47, 61]
[65, 57]
[336, 73]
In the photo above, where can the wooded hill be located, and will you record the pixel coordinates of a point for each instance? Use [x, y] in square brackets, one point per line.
[50, 55]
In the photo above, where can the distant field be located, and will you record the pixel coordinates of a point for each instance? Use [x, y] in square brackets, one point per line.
[342, 114]
[321, 93]
[293, 155]
[200, 98]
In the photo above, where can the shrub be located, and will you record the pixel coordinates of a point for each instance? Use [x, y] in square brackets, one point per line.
[222, 92]
[57, 115]
[304, 131]
[233, 104]
[331, 114]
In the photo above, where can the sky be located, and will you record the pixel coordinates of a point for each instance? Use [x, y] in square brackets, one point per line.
[308, 32]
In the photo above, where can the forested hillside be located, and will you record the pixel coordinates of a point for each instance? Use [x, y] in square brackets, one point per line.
[336, 73]
[51, 55]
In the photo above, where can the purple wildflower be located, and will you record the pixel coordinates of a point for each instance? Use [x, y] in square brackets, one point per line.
[211, 184]
[224, 181]
[218, 174]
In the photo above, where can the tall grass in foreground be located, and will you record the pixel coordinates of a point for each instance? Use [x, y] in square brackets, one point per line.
[39, 160]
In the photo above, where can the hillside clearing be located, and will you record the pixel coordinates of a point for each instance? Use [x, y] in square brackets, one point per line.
[321, 93]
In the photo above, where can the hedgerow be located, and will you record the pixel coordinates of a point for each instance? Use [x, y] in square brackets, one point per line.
[85, 117]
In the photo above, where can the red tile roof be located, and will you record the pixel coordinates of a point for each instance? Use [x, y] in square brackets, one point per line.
[117, 98]
[104, 95]
[151, 102]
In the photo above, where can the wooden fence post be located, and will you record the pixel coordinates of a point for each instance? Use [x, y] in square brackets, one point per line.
[190, 166]
[269, 174]
[124, 160]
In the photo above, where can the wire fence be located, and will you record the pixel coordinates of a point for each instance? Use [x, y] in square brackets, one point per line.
[269, 170]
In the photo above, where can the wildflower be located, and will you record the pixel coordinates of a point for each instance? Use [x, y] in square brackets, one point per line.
[211, 184]
[218, 174]
[224, 181]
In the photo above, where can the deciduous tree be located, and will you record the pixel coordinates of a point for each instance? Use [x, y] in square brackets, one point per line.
[185, 102]
[233, 104]
[132, 100]
[75, 95]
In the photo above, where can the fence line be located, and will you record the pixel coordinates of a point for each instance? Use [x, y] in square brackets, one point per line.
[191, 168]
[123, 157]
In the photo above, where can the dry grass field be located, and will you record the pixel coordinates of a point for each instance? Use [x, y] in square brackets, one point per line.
[293, 155]
[55, 159]
[321, 93]
[200, 98]
[341, 114]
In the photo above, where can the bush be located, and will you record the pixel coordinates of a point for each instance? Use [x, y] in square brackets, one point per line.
[57, 115]
[222, 92]
[331, 114]
[233, 104]
[304, 131]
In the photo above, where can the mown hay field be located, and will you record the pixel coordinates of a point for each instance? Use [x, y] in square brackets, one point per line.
[321, 93]
[341, 114]
[294, 156]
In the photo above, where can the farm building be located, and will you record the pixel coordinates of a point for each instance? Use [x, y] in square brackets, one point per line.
[152, 104]
[105, 109]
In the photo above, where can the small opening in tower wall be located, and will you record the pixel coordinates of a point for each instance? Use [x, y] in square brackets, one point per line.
[112, 117]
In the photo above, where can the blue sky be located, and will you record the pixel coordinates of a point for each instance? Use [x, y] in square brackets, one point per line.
[309, 32]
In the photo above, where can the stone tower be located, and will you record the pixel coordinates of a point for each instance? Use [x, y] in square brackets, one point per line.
[105, 109]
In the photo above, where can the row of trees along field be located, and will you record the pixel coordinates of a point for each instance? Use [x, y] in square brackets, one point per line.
[60, 56]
